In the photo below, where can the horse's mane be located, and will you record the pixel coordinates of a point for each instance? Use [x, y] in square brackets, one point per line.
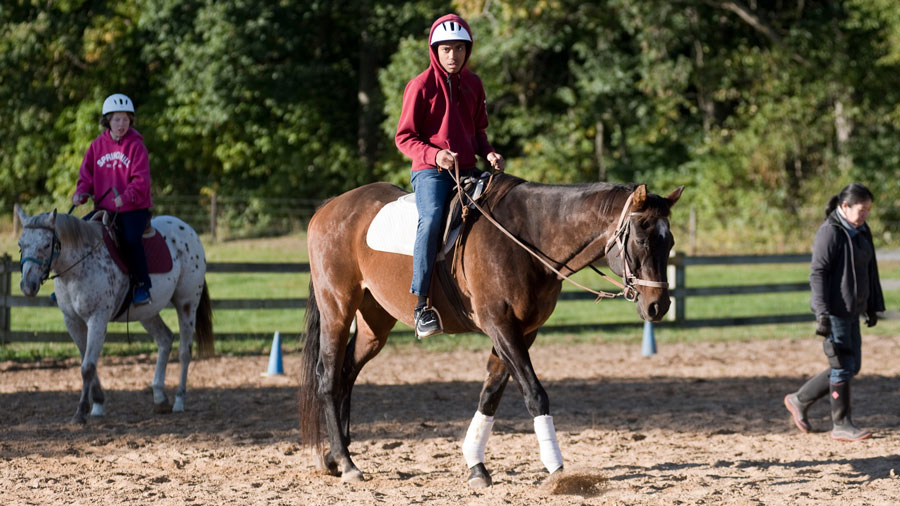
[610, 196]
[500, 185]
[73, 230]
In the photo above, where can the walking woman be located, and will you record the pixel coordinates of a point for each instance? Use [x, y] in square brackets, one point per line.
[844, 282]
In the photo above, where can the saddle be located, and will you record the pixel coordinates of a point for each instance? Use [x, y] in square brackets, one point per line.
[159, 260]
[393, 230]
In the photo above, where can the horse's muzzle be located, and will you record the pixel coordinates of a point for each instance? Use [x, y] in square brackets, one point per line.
[655, 310]
[29, 288]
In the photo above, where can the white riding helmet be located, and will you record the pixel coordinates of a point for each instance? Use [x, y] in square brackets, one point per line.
[117, 102]
[450, 30]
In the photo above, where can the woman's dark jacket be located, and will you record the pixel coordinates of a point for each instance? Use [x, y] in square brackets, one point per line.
[837, 287]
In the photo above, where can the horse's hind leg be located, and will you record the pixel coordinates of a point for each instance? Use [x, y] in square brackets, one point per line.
[336, 315]
[373, 325]
[186, 326]
[157, 328]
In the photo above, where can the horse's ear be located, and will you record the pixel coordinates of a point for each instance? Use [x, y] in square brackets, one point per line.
[23, 218]
[639, 197]
[675, 195]
[52, 219]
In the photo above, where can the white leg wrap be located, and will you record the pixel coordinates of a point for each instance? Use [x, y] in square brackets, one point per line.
[546, 434]
[97, 409]
[178, 407]
[159, 396]
[476, 438]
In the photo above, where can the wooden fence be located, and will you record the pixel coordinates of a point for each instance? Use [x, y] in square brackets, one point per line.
[677, 316]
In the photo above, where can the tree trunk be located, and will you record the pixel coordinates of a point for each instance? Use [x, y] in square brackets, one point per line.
[598, 152]
[367, 88]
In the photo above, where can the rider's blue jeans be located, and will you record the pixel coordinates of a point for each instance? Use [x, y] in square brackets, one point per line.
[432, 189]
[131, 226]
[847, 339]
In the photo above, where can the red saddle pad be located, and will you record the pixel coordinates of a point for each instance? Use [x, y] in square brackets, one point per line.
[158, 258]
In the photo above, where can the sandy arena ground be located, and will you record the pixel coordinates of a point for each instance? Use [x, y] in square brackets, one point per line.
[694, 424]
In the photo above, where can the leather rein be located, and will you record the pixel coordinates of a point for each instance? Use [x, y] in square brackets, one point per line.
[620, 239]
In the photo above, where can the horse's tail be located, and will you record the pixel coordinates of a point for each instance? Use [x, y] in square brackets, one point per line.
[204, 328]
[310, 405]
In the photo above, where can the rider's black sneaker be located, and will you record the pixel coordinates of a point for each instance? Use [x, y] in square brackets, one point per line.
[427, 322]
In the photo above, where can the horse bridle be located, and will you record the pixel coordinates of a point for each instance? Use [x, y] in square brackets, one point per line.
[629, 292]
[44, 264]
[55, 247]
[620, 239]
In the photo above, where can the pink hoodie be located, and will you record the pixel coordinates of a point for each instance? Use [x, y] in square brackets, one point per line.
[122, 165]
[443, 111]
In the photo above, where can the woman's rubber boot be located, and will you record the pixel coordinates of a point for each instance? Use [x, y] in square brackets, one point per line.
[799, 402]
[844, 430]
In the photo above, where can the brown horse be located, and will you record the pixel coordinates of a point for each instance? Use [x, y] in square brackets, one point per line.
[499, 288]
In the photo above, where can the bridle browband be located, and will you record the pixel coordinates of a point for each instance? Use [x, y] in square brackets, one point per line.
[619, 238]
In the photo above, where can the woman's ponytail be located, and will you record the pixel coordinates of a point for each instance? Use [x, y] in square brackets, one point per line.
[852, 194]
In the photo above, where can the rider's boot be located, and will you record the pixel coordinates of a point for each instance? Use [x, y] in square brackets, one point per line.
[844, 429]
[798, 403]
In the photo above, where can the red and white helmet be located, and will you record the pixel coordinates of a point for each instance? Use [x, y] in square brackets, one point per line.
[117, 102]
[448, 31]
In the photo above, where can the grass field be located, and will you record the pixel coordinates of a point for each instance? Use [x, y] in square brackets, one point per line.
[290, 322]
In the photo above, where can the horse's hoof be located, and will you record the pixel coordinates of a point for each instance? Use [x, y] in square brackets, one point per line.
[78, 419]
[352, 476]
[162, 409]
[178, 407]
[326, 464]
[479, 477]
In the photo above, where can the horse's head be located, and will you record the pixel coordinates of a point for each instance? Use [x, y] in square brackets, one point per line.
[39, 247]
[639, 250]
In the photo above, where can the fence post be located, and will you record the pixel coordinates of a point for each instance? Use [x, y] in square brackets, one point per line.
[676, 277]
[212, 216]
[5, 293]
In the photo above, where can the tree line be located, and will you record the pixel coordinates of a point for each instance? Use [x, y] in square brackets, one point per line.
[763, 108]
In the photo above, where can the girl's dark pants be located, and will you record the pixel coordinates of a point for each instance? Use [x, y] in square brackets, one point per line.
[130, 226]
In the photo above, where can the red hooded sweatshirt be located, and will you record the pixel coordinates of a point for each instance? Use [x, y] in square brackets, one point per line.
[122, 165]
[443, 111]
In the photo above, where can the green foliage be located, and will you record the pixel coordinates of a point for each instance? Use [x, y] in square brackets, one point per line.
[763, 109]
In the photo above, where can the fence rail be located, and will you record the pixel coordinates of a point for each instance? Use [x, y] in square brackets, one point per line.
[679, 290]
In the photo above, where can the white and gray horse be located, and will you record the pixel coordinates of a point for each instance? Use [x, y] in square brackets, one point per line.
[89, 289]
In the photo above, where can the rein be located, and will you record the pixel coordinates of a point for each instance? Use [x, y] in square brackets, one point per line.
[628, 291]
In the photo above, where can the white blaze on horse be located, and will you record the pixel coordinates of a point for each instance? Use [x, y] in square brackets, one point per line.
[90, 289]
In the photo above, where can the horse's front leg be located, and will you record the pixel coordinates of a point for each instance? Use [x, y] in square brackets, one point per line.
[163, 336]
[483, 421]
[90, 382]
[78, 330]
[513, 352]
